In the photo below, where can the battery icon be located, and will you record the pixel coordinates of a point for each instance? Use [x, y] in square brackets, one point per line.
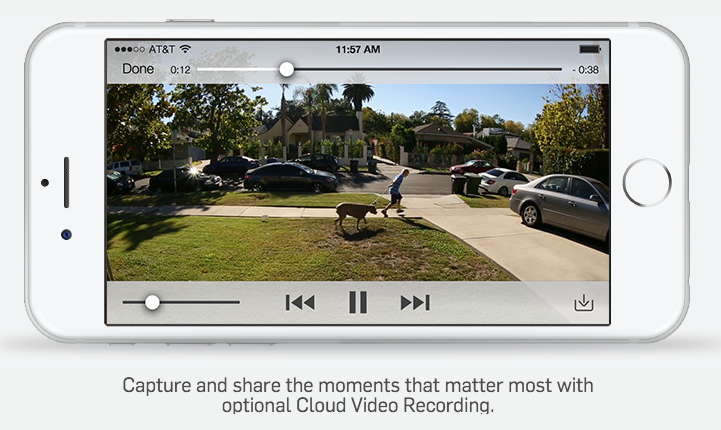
[590, 49]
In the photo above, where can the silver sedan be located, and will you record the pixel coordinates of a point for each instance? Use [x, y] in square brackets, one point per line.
[575, 203]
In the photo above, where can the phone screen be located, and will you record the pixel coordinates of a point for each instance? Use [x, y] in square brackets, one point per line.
[358, 182]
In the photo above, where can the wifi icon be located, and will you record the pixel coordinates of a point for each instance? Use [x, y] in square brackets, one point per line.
[185, 48]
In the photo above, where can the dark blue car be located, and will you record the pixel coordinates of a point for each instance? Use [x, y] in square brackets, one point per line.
[234, 165]
[289, 176]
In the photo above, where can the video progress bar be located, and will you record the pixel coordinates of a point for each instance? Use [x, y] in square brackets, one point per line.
[185, 302]
[428, 69]
[384, 69]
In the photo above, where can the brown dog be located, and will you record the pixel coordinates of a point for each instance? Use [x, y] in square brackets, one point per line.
[356, 210]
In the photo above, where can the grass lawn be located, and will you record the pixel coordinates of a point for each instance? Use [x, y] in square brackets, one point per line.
[486, 201]
[156, 248]
[209, 198]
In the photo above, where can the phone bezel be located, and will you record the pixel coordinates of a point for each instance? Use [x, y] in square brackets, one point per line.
[70, 314]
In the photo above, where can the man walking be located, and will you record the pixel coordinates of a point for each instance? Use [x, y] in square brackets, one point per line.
[394, 189]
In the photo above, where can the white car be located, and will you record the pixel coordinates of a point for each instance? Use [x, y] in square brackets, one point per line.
[130, 167]
[501, 181]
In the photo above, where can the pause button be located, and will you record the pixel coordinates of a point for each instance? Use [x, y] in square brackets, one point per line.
[356, 305]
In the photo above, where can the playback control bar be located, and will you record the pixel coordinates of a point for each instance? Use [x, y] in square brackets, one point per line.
[357, 303]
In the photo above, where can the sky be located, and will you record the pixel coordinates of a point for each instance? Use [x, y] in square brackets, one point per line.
[517, 102]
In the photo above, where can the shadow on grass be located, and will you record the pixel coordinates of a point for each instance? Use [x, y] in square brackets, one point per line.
[136, 229]
[485, 196]
[362, 234]
[200, 198]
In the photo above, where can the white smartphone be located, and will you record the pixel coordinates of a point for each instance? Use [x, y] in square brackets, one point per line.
[199, 181]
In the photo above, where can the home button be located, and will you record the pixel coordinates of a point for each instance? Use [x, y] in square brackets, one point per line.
[647, 182]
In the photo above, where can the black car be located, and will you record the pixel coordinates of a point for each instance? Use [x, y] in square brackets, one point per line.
[235, 165]
[326, 162]
[289, 176]
[119, 183]
[187, 178]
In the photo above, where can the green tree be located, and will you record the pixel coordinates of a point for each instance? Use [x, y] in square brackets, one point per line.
[223, 114]
[306, 99]
[324, 95]
[467, 120]
[357, 94]
[375, 123]
[494, 121]
[136, 121]
[570, 119]
[514, 127]
[440, 114]
[405, 136]
[341, 107]
[417, 118]
[284, 117]
[499, 142]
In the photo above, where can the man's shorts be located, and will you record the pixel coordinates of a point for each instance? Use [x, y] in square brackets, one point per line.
[395, 198]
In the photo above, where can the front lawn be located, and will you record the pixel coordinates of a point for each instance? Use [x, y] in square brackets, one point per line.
[486, 201]
[157, 248]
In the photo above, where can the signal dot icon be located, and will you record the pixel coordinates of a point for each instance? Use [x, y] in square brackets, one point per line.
[185, 48]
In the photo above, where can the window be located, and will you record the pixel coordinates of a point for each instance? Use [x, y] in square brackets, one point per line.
[558, 184]
[582, 189]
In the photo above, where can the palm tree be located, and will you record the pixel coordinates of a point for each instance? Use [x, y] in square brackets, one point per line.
[324, 93]
[283, 118]
[357, 94]
[307, 96]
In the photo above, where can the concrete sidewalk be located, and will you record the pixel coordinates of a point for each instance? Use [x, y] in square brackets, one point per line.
[528, 254]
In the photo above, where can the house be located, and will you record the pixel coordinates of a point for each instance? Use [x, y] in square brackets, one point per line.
[518, 147]
[341, 128]
[491, 131]
[435, 134]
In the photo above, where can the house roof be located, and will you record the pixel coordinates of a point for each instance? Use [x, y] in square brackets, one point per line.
[515, 142]
[334, 124]
[436, 129]
[435, 132]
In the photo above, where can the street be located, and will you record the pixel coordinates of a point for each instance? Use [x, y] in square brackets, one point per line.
[362, 182]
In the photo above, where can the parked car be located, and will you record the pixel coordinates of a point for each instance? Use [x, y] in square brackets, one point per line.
[326, 162]
[473, 166]
[289, 176]
[187, 179]
[234, 165]
[501, 181]
[130, 167]
[575, 203]
[118, 183]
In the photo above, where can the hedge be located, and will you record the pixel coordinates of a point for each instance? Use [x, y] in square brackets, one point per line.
[594, 163]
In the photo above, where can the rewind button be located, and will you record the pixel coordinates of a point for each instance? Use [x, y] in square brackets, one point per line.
[298, 302]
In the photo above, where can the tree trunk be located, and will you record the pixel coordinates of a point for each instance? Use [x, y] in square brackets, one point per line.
[283, 125]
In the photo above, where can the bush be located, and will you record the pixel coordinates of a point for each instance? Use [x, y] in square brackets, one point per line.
[389, 151]
[483, 155]
[594, 163]
[251, 148]
[355, 149]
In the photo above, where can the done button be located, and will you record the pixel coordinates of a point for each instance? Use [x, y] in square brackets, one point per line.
[647, 182]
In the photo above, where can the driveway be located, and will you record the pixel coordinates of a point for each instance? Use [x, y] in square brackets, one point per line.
[529, 254]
